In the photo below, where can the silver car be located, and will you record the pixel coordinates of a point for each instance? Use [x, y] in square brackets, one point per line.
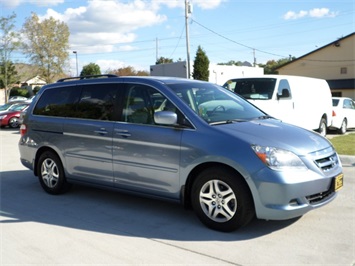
[177, 139]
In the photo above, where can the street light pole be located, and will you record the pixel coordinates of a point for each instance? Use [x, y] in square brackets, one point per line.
[76, 59]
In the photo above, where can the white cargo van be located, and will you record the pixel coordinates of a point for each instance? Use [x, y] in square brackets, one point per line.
[301, 101]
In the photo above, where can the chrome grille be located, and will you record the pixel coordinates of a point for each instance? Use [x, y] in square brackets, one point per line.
[328, 163]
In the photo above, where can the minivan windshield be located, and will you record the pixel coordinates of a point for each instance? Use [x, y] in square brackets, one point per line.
[215, 104]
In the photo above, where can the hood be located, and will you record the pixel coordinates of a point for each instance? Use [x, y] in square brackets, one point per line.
[275, 133]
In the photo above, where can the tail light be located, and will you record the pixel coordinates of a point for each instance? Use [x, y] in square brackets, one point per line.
[23, 129]
[333, 113]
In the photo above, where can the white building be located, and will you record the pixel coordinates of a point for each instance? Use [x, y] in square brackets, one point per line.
[219, 74]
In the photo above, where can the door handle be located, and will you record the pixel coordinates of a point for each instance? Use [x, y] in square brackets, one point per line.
[123, 133]
[101, 131]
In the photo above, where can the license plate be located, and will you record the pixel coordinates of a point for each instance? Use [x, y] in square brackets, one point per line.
[338, 184]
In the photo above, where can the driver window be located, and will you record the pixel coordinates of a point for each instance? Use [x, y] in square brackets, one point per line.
[284, 90]
[141, 102]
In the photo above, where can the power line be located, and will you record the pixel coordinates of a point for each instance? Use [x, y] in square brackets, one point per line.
[224, 37]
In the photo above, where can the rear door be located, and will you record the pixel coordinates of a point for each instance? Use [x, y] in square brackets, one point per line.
[146, 156]
[88, 134]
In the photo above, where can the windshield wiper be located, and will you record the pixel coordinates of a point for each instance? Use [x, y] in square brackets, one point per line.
[265, 117]
[228, 122]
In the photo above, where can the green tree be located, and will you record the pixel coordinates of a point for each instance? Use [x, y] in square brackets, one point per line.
[163, 60]
[8, 74]
[201, 65]
[47, 45]
[90, 70]
[9, 41]
[128, 71]
[231, 63]
[271, 65]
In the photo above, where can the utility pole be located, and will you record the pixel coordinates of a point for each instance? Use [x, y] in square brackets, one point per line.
[254, 57]
[156, 49]
[187, 12]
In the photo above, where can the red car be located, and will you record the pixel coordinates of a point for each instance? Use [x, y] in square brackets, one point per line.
[11, 118]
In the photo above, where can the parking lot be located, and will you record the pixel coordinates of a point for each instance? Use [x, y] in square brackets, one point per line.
[88, 226]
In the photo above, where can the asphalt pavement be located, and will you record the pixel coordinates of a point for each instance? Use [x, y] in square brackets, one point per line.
[89, 226]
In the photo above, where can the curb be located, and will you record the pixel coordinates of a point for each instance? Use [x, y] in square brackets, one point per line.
[347, 160]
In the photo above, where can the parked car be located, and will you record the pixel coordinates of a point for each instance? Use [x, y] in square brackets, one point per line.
[5, 107]
[11, 118]
[182, 140]
[17, 98]
[30, 99]
[8, 107]
[343, 114]
[301, 101]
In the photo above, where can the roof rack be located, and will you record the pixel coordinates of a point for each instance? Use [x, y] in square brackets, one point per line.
[88, 77]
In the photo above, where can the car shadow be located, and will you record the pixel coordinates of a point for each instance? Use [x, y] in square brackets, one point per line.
[86, 208]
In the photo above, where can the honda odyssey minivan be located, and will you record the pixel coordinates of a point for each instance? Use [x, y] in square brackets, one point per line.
[182, 140]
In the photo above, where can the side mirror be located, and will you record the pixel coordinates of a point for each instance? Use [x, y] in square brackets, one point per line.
[285, 94]
[165, 118]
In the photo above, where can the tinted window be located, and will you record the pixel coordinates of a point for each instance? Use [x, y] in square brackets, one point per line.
[97, 102]
[58, 102]
[335, 102]
[88, 102]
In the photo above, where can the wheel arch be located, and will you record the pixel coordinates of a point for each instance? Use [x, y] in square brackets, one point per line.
[40, 151]
[186, 188]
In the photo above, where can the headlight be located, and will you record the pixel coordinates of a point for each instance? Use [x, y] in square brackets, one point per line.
[3, 116]
[278, 159]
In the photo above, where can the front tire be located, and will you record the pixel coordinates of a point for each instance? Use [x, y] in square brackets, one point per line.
[222, 200]
[51, 174]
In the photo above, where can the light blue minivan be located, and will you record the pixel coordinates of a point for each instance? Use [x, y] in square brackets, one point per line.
[177, 139]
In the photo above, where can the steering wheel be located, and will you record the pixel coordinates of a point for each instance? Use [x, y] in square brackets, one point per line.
[221, 107]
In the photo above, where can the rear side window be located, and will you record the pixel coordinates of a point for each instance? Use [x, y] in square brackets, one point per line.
[335, 102]
[97, 102]
[87, 102]
[58, 102]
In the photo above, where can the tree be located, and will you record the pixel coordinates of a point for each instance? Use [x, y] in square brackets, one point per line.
[9, 41]
[128, 71]
[90, 70]
[8, 74]
[47, 45]
[231, 63]
[271, 65]
[201, 65]
[163, 60]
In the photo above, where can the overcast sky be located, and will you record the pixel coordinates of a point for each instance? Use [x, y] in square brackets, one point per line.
[119, 33]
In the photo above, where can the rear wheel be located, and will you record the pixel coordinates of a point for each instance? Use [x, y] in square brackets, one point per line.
[222, 200]
[51, 174]
[343, 127]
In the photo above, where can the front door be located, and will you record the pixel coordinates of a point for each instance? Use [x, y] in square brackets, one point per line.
[146, 156]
